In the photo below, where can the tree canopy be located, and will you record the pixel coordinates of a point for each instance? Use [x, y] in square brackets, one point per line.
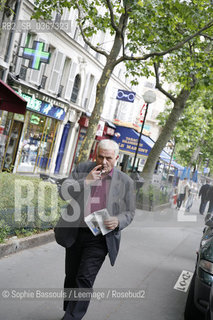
[193, 135]
[144, 32]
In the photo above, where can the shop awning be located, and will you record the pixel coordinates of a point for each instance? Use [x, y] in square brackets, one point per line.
[10, 100]
[127, 138]
[173, 163]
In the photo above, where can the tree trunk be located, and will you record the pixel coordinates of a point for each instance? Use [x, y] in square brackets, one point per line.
[179, 105]
[100, 92]
[195, 155]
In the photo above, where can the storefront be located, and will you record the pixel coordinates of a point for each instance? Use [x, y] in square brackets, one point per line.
[39, 133]
[12, 110]
[127, 138]
[105, 131]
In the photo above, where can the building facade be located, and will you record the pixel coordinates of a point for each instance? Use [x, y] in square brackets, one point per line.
[59, 94]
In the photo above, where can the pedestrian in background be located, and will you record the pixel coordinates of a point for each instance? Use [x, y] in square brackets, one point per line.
[193, 190]
[209, 197]
[183, 192]
[110, 189]
[204, 198]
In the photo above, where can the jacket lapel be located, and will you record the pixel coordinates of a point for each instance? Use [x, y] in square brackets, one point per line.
[114, 191]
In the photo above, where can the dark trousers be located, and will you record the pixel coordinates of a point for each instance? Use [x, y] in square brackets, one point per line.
[83, 261]
[203, 204]
[210, 209]
[180, 199]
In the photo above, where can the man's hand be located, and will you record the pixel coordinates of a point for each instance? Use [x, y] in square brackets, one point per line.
[94, 175]
[111, 223]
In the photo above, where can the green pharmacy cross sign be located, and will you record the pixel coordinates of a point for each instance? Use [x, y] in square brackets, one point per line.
[36, 55]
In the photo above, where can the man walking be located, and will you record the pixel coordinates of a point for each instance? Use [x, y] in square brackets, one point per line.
[203, 194]
[183, 191]
[93, 186]
[209, 197]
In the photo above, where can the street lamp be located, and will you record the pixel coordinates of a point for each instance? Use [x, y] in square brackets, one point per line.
[149, 97]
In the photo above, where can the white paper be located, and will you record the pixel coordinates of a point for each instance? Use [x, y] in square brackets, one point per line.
[95, 221]
[101, 216]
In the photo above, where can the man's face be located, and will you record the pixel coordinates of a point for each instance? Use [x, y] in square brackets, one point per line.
[107, 159]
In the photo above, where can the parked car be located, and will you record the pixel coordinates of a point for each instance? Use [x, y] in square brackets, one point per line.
[199, 304]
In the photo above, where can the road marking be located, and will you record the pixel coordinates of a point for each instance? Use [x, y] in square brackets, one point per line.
[183, 281]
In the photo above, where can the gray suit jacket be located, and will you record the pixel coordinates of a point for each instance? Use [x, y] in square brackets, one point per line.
[121, 203]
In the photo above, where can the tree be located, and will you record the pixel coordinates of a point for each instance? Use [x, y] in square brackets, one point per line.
[140, 31]
[193, 133]
[191, 71]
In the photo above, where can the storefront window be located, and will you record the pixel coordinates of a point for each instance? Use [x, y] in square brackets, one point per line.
[79, 143]
[5, 122]
[37, 145]
[30, 144]
[45, 151]
[10, 131]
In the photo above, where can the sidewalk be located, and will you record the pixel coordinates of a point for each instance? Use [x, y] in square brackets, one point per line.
[17, 244]
[154, 250]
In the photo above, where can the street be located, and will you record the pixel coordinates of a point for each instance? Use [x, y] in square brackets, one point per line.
[154, 250]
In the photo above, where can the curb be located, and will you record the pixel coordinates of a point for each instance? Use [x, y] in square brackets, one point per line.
[15, 244]
[155, 208]
[162, 206]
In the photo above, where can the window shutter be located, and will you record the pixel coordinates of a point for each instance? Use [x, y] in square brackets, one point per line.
[85, 91]
[70, 81]
[57, 72]
[88, 90]
[21, 61]
[92, 97]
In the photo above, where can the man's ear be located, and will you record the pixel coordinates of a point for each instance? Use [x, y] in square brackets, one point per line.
[117, 157]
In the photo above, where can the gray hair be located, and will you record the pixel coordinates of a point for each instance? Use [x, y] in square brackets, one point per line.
[108, 144]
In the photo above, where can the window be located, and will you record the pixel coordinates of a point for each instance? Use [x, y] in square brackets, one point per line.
[64, 78]
[76, 88]
[38, 143]
[1, 73]
[20, 63]
[70, 81]
[56, 71]
[43, 82]
[60, 90]
[23, 72]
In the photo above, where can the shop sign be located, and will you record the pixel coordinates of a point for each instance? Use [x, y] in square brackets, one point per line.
[44, 108]
[40, 96]
[34, 119]
[52, 111]
[128, 140]
[130, 144]
[36, 55]
[128, 96]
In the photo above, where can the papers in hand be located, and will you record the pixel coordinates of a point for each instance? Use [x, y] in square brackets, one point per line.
[95, 221]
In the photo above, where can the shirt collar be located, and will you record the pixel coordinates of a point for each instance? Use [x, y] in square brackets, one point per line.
[111, 173]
